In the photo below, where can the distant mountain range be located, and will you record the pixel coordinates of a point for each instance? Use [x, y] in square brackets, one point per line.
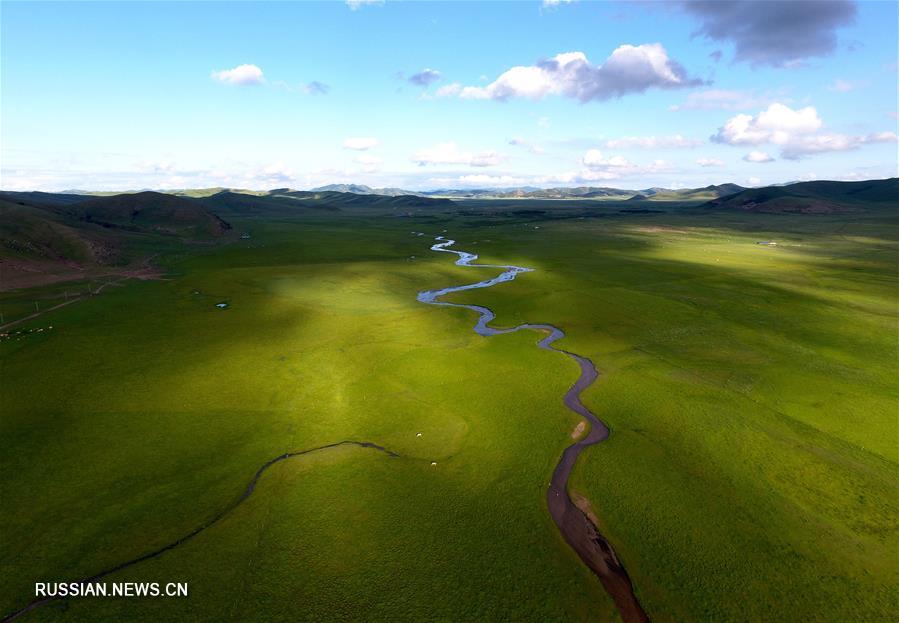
[531, 192]
[335, 195]
[46, 237]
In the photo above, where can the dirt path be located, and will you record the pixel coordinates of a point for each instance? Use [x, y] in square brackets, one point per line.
[576, 527]
[144, 272]
[207, 524]
[74, 299]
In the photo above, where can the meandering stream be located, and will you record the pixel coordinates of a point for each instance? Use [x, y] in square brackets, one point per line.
[576, 528]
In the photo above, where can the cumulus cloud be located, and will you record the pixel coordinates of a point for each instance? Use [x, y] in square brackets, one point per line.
[360, 143]
[552, 4]
[425, 77]
[796, 132]
[242, 75]
[629, 69]
[598, 166]
[779, 124]
[531, 147]
[709, 162]
[780, 33]
[449, 153]
[757, 156]
[652, 142]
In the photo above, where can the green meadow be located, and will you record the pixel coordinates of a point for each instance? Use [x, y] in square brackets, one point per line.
[751, 473]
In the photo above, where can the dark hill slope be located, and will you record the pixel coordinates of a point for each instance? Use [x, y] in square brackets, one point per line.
[31, 232]
[228, 203]
[44, 199]
[151, 212]
[814, 197]
[341, 200]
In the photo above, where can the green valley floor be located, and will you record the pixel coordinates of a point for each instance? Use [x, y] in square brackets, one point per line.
[751, 473]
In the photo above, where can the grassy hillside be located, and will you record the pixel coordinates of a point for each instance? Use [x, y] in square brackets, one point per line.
[813, 197]
[689, 194]
[46, 238]
[151, 212]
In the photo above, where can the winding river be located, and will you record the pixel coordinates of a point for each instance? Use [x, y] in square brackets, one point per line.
[576, 527]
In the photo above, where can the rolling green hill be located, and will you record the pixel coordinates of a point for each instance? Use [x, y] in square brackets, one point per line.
[688, 194]
[47, 238]
[813, 197]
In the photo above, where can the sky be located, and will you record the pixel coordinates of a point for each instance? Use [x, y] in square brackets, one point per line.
[428, 95]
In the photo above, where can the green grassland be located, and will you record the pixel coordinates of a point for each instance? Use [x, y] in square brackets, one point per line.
[750, 475]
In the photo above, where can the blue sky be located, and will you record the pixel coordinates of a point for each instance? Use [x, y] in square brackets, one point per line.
[118, 96]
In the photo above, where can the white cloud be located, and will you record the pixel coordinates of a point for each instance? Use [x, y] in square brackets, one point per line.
[551, 4]
[720, 99]
[531, 147]
[449, 153]
[242, 75]
[629, 69]
[652, 142]
[754, 181]
[360, 143]
[796, 132]
[356, 4]
[594, 159]
[709, 162]
[480, 180]
[778, 124]
[600, 167]
[757, 156]
[833, 142]
[449, 90]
